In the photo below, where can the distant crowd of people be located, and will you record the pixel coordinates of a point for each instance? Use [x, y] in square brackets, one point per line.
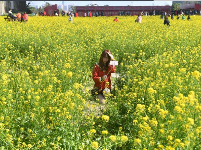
[24, 16]
[19, 16]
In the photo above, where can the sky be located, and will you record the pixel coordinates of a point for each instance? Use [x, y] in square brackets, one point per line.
[102, 3]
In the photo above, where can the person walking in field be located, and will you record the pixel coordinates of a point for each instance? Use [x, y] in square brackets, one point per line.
[166, 21]
[172, 16]
[70, 19]
[101, 75]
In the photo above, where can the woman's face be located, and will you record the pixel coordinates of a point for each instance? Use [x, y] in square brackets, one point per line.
[105, 59]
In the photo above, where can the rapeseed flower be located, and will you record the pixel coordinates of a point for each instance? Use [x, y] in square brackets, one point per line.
[105, 118]
[137, 141]
[94, 145]
[69, 74]
[124, 138]
[104, 132]
[113, 138]
[92, 131]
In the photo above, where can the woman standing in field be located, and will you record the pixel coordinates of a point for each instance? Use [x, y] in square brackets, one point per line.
[139, 19]
[166, 21]
[102, 73]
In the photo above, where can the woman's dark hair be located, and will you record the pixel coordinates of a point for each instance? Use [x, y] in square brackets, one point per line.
[101, 64]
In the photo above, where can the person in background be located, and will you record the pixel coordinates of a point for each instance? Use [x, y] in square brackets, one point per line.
[161, 15]
[115, 19]
[22, 17]
[68, 13]
[18, 16]
[25, 16]
[166, 21]
[101, 74]
[136, 20]
[55, 11]
[178, 16]
[183, 17]
[70, 19]
[139, 19]
[188, 17]
[63, 13]
[10, 14]
[172, 16]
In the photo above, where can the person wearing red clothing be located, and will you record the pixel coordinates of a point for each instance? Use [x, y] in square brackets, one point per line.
[25, 16]
[18, 16]
[22, 17]
[116, 20]
[102, 73]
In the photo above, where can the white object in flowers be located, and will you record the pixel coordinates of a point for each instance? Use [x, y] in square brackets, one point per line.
[106, 91]
[114, 63]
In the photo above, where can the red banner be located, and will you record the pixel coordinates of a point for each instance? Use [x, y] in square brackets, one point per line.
[100, 8]
[119, 7]
[122, 8]
[80, 8]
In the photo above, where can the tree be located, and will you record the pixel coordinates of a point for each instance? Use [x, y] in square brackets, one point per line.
[28, 10]
[47, 4]
[176, 6]
[33, 9]
[40, 9]
[74, 9]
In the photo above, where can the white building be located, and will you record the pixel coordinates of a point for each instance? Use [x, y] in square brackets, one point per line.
[2, 8]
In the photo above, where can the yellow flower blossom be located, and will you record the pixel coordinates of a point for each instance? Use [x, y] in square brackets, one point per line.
[104, 132]
[137, 141]
[113, 138]
[105, 117]
[92, 131]
[95, 145]
[69, 74]
[124, 138]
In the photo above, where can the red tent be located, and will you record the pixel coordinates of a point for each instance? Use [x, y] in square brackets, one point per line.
[50, 10]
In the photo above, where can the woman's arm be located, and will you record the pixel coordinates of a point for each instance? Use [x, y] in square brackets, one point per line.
[96, 77]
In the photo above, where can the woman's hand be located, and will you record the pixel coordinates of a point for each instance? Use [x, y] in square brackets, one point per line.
[111, 56]
[103, 78]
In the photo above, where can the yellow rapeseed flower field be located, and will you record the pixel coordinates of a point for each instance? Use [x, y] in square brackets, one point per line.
[46, 73]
